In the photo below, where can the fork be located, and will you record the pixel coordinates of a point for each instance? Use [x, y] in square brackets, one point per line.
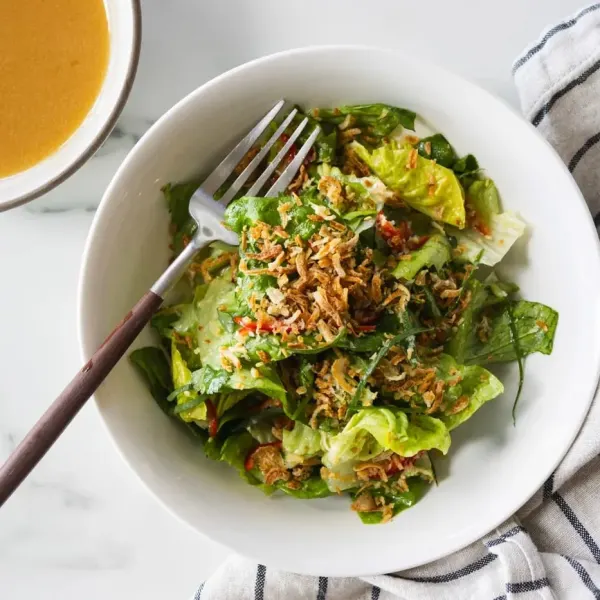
[208, 215]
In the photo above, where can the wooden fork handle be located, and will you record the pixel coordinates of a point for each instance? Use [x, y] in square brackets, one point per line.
[60, 413]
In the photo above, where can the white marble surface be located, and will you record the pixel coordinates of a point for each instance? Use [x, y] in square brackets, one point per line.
[82, 526]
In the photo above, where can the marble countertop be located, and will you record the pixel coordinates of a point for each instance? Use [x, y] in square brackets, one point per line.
[82, 525]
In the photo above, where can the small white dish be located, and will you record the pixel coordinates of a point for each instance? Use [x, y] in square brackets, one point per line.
[125, 31]
[493, 468]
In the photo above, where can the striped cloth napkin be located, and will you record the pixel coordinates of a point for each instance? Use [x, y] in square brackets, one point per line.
[551, 547]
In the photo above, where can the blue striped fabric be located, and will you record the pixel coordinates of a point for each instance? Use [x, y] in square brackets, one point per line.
[322, 592]
[578, 526]
[563, 91]
[259, 585]
[551, 33]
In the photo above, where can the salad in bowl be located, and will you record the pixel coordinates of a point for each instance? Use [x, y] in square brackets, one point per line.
[336, 348]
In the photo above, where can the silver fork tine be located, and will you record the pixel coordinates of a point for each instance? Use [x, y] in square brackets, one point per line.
[290, 171]
[236, 186]
[218, 177]
[270, 168]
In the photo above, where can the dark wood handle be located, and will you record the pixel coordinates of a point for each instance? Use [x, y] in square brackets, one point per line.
[60, 413]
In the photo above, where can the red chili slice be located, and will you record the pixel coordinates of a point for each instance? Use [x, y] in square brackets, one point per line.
[365, 328]
[213, 422]
[249, 325]
[395, 236]
[293, 148]
[416, 244]
[249, 462]
[392, 470]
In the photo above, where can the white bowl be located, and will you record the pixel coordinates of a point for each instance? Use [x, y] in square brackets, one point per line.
[493, 468]
[124, 23]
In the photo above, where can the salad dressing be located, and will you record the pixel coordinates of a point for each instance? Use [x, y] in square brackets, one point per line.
[53, 59]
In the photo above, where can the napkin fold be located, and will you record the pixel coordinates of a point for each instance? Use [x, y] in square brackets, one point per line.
[551, 547]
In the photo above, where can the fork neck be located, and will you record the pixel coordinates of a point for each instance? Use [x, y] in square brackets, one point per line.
[176, 269]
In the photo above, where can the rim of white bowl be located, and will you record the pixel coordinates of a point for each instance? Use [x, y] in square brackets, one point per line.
[105, 130]
[387, 566]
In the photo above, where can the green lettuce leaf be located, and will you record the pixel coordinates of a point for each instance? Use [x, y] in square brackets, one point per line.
[373, 430]
[422, 467]
[154, 368]
[475, 382]
[226, 401]
[465, 335]
[162, 322]
[437, 147]
[246, 286]
[372, 342]
[208, 334]
[192, 389]
[362, 201]
[303, 367]
[195, 328]
[234, 451]
[233, 386]
[484, 198]
[267, 382]
[315, 487]
[428, 187]
[400, 500]
[535, 325]
[499, 291]
[326, 143]
[466, 167]
[180, 373]
[178, 202]
[341, 477]
[246, 211]
[209, 380]
[300, 443]
[261, 430]
[436, 252]
[189, 406]
[202, 323]
[278, 350]
[505, 229]
[379, 120]
[152, 364]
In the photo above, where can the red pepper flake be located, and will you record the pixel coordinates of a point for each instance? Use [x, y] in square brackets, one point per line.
[415, 244]
[366, 328]
[248, 325]
[395, 236]
[213, 422]
[293, 148]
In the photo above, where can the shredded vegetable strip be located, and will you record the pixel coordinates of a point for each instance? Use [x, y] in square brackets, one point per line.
[519, 354]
